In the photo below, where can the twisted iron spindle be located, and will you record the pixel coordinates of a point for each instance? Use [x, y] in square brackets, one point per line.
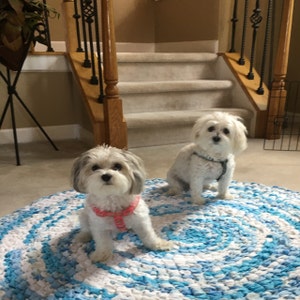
[234, 20]
[86, 63]
[241, 60]
[271, 47]
[101, 88]
[88, 13]
[77, 16]
[260, 89]
[46, 29]
[255, 19]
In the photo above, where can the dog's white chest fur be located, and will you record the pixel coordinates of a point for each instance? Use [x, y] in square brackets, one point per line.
[189, 165]
[210, 170]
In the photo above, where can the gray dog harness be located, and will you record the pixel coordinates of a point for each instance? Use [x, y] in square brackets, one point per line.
[222, 162]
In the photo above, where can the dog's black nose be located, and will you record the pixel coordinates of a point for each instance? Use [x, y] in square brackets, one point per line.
[216, 139]
[106, 177]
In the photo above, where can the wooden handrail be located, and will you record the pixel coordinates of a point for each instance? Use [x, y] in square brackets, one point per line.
[277, 99]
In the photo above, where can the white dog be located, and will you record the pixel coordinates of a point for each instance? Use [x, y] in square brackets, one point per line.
[217, 138]
[113, 180]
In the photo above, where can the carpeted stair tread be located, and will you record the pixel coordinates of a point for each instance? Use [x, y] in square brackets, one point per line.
[162, 57]
[172, 86]
[176, 118]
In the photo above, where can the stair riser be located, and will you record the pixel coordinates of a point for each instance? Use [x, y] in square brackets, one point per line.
[143, 137]
[133, 103]
[163, 135]
[129, 72]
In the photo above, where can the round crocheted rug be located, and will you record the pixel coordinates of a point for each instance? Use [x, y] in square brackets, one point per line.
[246, 248]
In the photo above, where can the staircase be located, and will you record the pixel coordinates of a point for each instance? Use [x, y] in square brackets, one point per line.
[165, 93]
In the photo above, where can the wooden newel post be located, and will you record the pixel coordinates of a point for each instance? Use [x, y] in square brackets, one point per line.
[277, 98]
[115, 125]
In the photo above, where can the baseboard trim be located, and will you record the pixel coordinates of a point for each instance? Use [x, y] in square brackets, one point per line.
[58, 46]
[184, 46]
[56, 133]
[294, 116]
[188, 46]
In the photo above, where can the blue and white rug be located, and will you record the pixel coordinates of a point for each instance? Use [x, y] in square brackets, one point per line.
[247, 248]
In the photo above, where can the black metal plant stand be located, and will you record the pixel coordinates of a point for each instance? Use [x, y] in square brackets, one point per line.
[12, 93]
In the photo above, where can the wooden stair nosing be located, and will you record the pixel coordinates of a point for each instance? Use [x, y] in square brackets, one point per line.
[173, 86]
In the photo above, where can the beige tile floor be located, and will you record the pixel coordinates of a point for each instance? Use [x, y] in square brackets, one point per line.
[44, 171]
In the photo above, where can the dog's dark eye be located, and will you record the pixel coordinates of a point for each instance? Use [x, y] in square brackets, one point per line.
[226, 131]
[117, 167]
[211, 128]
[95, 167]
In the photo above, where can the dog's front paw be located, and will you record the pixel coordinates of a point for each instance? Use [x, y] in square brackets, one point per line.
[226, 196]
[212, 187]
[172, 191]
[101, 256]
[199, 200]
[161, 244]
[84, 237]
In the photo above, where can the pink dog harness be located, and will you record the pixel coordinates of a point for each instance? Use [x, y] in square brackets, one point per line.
[118, 216]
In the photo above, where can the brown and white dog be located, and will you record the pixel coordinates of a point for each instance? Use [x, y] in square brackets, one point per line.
[113, 179]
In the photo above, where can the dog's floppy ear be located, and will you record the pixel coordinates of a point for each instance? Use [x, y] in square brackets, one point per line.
[240, 137]
[199, 126]
[138, 172]
[77, 168]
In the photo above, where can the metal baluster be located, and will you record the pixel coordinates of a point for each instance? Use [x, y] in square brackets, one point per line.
[88, 14]
[234, 20]
[255, 19]
[101, 96]
[260, 89]
[47, 30]
[86, 63]
[241, 60]
[271, 48]
[77, 16]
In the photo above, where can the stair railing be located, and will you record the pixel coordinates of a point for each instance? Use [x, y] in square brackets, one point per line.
[83, 35]
[276, 80]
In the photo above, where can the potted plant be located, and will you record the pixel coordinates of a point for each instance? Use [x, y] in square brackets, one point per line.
[22, 22]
